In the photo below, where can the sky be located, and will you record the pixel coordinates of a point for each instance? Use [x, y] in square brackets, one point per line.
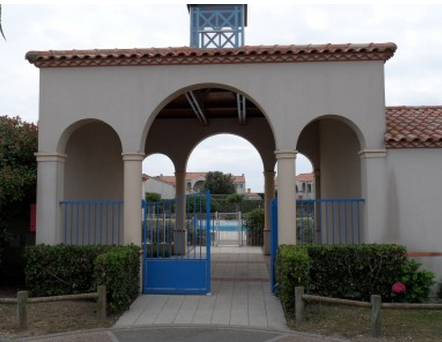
[412, 77]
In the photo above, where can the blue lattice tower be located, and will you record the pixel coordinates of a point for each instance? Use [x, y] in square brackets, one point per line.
[217, 26]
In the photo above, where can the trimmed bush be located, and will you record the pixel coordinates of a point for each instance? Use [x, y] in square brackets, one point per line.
[293, 267]
[60, 269]
[340, 271]
[67, 269]
[355, 271]
[119, 270]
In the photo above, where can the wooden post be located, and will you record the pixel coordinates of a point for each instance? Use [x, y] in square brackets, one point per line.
[22, 309]
[299, 305]
[375, 315]
[101, 302]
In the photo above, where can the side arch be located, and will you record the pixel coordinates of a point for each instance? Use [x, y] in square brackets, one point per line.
[333, 143]
[94, 166]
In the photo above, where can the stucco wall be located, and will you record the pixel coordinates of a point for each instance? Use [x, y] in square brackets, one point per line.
[340, 167]
[291, 95]
[94, 167]
[414, 196]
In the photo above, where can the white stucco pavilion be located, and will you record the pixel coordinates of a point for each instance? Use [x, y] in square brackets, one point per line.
[103, 111]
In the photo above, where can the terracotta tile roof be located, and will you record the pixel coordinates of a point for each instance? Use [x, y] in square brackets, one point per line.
[188, 55]
[193, 175]
[305, 177]
[414, 127]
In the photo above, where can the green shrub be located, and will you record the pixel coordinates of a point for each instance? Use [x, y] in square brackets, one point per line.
[119, 270]
[293, 266]
[355, 271]
[60, 269]
[439, 291]
[67, 269]
[254, 222]
[4, 239]
[418, 283]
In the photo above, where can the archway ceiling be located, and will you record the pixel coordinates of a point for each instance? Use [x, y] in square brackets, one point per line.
[210, 103]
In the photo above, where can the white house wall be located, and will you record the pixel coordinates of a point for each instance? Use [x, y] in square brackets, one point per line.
[414, 196]
[167, 191]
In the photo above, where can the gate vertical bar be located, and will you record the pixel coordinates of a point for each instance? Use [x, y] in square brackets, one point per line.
[208, 250]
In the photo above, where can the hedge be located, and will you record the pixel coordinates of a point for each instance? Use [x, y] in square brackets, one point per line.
[341, 271]
[355, 271]
[292, 269]
[67, 269]
[119, 270]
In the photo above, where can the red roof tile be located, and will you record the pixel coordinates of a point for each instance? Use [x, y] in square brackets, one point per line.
[305, 177]
[192, 175]
[414, 127]
[188, 55]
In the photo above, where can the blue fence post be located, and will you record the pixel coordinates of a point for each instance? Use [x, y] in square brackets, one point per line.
[273, 242]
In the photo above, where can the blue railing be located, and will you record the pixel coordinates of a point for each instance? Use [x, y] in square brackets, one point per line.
[92, 222]
[329, 221]
[320, 221]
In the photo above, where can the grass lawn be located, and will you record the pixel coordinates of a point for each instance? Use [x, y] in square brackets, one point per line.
[53, 317]
[354, 323]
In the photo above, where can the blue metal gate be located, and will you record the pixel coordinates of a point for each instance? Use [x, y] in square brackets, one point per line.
[176, 245]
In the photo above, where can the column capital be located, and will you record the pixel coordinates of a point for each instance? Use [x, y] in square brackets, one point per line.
[374, 153]
[133, 156]
[50, 157]
[286, 154]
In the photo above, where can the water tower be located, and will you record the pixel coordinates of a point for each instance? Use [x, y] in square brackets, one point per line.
[217, 26]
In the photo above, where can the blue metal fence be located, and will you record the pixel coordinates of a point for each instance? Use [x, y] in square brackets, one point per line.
[329, 221]
[320, 221]
[92, 222]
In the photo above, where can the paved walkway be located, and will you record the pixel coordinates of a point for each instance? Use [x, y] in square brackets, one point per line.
[240, 308]
[240, 297]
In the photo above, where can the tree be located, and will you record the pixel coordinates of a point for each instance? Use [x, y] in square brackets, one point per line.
[18, 168]
[236, 199]
[219, 183]
[152, 197]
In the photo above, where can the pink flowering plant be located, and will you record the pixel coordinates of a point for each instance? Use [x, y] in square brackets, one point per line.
[414, 285]
[398, 288]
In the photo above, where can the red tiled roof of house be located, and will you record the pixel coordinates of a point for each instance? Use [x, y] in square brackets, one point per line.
[160, 178]
[414, 127]
[305, 177]
[192, 175]
[188, 55]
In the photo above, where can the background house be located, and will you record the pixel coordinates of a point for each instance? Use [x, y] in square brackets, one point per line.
[166, 185]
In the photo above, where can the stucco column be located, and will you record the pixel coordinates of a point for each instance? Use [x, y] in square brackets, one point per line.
[286, 196]
[180, 236]
[50, 191]
[269, 195]
[374, 191]
[132, 198]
